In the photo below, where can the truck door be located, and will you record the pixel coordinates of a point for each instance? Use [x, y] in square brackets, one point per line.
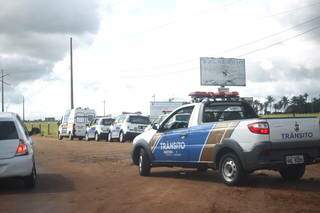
[173, 144]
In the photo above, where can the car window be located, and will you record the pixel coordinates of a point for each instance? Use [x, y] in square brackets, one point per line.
[179, 119]
[107, 121]
[214, 113]
[138, 119]
[8, 130]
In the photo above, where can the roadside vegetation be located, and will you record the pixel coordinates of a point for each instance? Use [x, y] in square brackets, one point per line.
[43, 128]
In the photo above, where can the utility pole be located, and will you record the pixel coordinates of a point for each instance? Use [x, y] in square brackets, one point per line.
[2, 87]
[23, 108]
[71, 73]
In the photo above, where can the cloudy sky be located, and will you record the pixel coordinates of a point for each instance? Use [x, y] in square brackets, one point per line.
[127, 50]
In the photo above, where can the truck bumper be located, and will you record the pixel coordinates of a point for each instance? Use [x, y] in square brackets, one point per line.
[103, 135]
[268, 155]
[131, 135]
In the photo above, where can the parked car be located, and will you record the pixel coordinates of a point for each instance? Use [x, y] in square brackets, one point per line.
[127, 127]
[99, 128]
[223, 132]
[16, 150]
[73, 123]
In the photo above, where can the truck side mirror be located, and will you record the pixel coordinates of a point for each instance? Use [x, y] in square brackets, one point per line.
[155, 126]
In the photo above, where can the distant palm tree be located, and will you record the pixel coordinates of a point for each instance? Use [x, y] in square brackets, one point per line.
[270, 100]
[257, 106]
[285, 102]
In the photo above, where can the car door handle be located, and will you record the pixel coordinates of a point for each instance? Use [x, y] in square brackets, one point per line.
[183, 135]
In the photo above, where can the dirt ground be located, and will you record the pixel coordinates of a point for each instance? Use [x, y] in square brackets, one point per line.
[79, 176]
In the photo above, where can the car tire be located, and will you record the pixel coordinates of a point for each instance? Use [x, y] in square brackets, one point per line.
[292, 173]
[109, 137]
[230, 169]
[59, 136]
[70, 136]
[96, 137]
[31, 180]
[122, 137]
[86, 137]
[144, 163]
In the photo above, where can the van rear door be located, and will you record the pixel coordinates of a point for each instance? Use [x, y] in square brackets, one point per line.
[9, 139]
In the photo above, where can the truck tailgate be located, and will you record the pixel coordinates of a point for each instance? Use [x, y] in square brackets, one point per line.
[294, 129]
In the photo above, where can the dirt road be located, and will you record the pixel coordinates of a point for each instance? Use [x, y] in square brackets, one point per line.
[79, 176]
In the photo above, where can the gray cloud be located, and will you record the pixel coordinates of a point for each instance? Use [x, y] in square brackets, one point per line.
[47, 16]
[310, 10]
[34, 35]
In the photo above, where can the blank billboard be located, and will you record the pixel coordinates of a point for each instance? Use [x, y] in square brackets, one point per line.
[222, 71]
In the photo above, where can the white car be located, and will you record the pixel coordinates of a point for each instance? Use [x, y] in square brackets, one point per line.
[16, 150]
[99, 128]
[127, 127]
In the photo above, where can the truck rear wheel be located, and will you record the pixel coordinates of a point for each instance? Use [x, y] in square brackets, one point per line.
[293, 172]
[144, 163]
[230, 169]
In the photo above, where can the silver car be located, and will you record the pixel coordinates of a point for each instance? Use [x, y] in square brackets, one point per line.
[16, 150]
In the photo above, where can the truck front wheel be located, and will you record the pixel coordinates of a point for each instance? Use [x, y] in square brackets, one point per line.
[144, 163]
[293, 172]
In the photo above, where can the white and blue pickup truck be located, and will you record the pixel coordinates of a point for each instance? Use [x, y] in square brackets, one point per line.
[224, 133]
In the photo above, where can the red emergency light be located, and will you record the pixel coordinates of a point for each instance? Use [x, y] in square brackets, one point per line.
[214, 94]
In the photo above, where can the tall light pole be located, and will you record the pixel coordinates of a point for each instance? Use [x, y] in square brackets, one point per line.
[2, 88]
[71, 73]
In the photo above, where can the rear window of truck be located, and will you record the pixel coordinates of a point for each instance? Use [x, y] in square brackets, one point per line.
[8, 130]
[214, 112]
[138, 119]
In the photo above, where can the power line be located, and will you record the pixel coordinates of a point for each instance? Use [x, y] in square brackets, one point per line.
[231, 49]
[288, 11]
[242, 45]
[280, 42]
[271, 35]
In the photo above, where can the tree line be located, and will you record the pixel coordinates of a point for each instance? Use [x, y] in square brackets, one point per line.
[295, 104]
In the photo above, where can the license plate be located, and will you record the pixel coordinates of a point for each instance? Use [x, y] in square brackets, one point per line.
[294, 159]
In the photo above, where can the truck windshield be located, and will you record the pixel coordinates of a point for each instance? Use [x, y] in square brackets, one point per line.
[223, 112]
[136, 119]
[8, 130]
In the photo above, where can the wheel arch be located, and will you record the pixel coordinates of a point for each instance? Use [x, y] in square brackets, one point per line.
[228, 146]
[141, 144]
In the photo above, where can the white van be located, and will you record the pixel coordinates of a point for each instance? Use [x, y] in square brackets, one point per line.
[73, 123]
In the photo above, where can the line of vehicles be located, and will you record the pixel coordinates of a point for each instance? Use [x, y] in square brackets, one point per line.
[83, 124]
[215, 131]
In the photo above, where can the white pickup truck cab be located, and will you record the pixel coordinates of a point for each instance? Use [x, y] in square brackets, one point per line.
[73, 123]
[224, 133]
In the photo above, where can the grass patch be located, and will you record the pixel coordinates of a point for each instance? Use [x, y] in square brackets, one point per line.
[46, 128]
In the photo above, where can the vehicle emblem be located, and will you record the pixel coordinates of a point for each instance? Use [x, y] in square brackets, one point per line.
[296, 127]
